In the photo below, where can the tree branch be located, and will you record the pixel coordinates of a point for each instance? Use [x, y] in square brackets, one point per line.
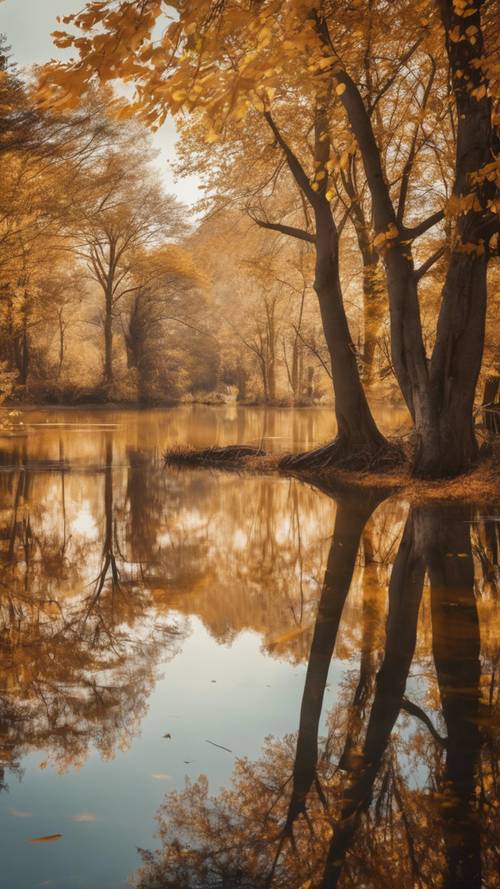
[424, 226]
[290, 230]
[419, 273]
[296, 168]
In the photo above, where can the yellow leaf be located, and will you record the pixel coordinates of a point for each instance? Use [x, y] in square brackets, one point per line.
[340, 89]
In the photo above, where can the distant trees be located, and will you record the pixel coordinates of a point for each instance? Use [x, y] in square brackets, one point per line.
[118, 210]
[166, 296]
[84, 224]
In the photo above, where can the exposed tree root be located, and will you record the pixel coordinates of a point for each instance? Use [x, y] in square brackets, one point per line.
[341, 454]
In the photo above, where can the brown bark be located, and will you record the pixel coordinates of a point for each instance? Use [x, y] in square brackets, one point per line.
[439, 392]
[359, 440]
[108, 337]
[491, 407]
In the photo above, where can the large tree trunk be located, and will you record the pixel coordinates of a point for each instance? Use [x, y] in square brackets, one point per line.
[440, 393]
[356, 427]
[449, 447]
[359, 442]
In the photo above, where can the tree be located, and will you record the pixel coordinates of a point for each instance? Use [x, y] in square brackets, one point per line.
[358, 438]
[328, 47]
[118, 213]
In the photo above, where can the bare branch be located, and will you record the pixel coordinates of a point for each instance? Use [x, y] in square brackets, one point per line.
[290, 230]
[424, 226]
[420, 272]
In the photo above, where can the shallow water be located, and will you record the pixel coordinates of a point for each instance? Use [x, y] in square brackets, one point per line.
[329, 662]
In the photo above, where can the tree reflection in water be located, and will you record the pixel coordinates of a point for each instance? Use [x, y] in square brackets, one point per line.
[400, 792]
[104, 557]
[78, 650]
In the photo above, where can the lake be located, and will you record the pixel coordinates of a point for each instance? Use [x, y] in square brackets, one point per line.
[258, 682]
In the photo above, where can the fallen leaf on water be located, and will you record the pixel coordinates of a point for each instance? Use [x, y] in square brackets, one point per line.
[84, 818]
[168, 735]
[52, 838]
[160, 776]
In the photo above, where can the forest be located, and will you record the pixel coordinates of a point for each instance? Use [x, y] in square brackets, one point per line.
[249, 444]
[345, 248]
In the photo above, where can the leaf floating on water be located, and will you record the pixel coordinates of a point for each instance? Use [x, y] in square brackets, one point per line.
[84, 818]
[43, 765]
[168, 735]
[160, 776]
[52, 838]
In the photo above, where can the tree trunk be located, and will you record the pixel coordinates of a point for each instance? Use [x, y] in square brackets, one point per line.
[241, 381]
[265, 387]
[450, 446]
[271, 378]
[359, 442]
[25, 353]
[108, 340]
[491, 407]
[440, 393]
[373, 309]
[61, 344]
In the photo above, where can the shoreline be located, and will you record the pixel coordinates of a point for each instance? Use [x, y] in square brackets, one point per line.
[481, 484]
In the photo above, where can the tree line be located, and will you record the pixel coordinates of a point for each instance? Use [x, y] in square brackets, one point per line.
[110, 291]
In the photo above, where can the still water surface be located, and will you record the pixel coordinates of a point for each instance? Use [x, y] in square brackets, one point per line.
[262, 683]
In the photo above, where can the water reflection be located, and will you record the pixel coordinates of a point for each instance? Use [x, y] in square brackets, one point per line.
[106, 561]
[401, 791]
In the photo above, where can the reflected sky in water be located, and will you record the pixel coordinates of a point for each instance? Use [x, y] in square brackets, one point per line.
[342, 648]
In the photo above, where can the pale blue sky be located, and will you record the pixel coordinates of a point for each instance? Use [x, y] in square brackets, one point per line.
[28, 24]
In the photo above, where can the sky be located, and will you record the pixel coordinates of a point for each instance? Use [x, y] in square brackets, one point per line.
[27, 25]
